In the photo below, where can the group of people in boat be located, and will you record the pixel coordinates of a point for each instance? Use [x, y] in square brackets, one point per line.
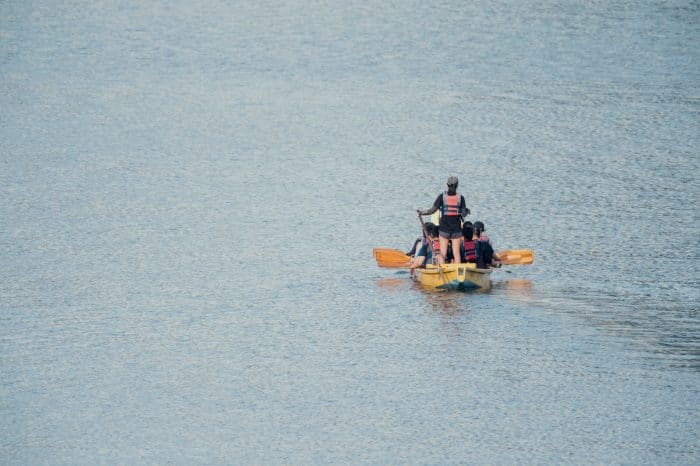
[454, 240]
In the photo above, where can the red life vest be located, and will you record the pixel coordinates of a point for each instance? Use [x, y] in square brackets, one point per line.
[470, 251]
[436, 245]
[451, 204]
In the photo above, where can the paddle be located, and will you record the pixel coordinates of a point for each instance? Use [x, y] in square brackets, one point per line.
[393, 258]
[436, 255]
[516, 256]
[426, 235]
[394, 265]
[390, 255]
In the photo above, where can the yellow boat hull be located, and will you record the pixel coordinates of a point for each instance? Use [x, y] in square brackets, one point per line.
[454, 277]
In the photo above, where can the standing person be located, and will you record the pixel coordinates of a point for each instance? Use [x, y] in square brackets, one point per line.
[453, 208]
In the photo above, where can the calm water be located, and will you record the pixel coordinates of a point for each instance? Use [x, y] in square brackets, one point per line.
[190, 192]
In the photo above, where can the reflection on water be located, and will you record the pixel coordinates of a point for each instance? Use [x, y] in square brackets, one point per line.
[445, 303]
[392, 284]
[517, 288]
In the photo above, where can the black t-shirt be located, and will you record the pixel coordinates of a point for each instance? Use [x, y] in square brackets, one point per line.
[451, 223]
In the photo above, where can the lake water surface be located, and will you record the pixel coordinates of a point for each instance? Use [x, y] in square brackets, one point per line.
[190, 192]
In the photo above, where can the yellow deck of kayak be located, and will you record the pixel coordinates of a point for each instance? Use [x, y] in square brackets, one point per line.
[454, 276]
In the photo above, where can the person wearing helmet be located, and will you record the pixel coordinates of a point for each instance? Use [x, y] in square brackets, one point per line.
[453, 208]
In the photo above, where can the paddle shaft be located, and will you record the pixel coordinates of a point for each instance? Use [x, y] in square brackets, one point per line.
[430, 245]
[425, 233]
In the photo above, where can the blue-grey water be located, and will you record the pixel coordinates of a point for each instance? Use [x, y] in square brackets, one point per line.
[190, 192]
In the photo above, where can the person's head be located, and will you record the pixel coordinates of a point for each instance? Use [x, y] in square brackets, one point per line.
[467, 232]
[478, 228]
[452, 183]
[432, 230]
[468, 224]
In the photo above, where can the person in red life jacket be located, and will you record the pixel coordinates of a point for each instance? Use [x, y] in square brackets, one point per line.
[465, 224]
[424, 255]
[453, 208]
[479, 230]
[468, 243]
[485, 256]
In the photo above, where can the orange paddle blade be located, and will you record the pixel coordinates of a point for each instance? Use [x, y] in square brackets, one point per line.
[390, 258]
[516, 256]
[394, 265]
[390, 255]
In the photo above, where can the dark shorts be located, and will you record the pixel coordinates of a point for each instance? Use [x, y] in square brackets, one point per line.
[450, 234]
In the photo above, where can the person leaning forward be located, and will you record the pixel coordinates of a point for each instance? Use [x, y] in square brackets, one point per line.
[453, 209]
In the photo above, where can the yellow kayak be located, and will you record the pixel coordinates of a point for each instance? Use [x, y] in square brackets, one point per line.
[454, 277]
